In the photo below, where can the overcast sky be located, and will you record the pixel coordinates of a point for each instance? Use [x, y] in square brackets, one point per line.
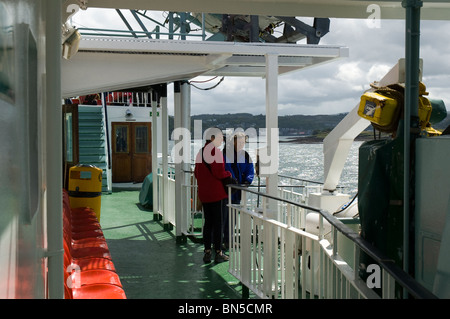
[326, 89]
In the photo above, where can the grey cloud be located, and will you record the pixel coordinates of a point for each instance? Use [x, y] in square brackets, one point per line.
[337, 86]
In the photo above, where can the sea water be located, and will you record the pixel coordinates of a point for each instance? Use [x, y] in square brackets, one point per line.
[304, 161]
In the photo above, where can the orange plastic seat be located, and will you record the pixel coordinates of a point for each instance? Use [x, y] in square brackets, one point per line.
[82, 212]
[89, 242]
[84, 242]
[94, 264]
[84, 225]
[90, 252]
[94, 290]
[97, 276]
[87, 259]
[84, 220]
[90, 277]
[67, 292]
[96, 233]
[99, 291]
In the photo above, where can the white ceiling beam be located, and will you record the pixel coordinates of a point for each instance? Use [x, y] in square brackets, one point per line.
[260, 60]
[204, 47]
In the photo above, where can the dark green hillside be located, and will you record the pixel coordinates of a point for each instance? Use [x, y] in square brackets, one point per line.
[289, 124]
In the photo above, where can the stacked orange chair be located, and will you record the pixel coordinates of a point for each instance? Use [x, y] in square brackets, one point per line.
[89, 269]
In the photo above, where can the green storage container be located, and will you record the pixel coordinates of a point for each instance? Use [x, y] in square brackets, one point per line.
[146, 192]
[380, 198]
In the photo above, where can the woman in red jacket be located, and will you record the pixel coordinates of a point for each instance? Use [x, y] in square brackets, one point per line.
[210, 171]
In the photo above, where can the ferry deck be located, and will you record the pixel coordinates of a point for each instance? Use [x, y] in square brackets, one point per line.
[149, 262]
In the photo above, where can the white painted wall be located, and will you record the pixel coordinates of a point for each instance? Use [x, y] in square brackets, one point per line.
[138, 114]
[23, 149]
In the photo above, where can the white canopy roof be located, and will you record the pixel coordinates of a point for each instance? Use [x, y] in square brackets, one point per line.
[107, 64]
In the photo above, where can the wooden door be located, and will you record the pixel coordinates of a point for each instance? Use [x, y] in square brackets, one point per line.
[131, 151]
[141, 161]
[121, 153]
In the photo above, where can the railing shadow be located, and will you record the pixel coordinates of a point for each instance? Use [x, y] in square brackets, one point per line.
[151, 265]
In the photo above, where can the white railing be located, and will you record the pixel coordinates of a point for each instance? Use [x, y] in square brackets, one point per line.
[297, 189]
[195, 219]
[290, 188]
[298, 192]
[303, 252]
[284, 259]
[129, 98]
[167, 213]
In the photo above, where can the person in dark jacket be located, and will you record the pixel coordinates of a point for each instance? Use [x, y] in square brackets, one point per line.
[240, 165]
[209, 172]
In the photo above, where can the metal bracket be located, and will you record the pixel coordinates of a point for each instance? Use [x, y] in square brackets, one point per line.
[47, 253]
[313, 33]
[412, 3]
[83, 4]
[69, 9]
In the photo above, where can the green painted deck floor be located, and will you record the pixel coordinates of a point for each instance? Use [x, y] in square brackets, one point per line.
[149, 261]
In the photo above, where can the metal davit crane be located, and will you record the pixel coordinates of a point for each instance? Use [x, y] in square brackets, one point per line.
[218, 27]
[253, 28]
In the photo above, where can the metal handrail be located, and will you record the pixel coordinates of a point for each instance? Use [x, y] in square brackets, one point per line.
[300, 179]
[415, 289]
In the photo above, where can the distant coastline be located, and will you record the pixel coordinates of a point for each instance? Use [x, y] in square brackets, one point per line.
[317, 139]
[303, 140]
[302, 128]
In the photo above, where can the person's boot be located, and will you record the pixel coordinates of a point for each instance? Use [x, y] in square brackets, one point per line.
[220, 257]
[207, 256]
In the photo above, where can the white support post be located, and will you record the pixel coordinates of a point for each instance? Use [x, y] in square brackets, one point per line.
[269, 168]
[186, 165]
[178, 165]
[182, 100]
[164, 151]
[272, 130]
[155, 151]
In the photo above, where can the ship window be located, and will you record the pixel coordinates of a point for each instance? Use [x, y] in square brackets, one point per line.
[141, 133]
[122, 138]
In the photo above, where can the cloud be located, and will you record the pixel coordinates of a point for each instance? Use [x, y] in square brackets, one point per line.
[325, 89]
[233, 95]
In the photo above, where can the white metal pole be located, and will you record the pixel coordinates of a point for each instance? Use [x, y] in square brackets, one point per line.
[178, 165]
[155, 151]
[165, 146]
[272, 128]
[186, 166]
